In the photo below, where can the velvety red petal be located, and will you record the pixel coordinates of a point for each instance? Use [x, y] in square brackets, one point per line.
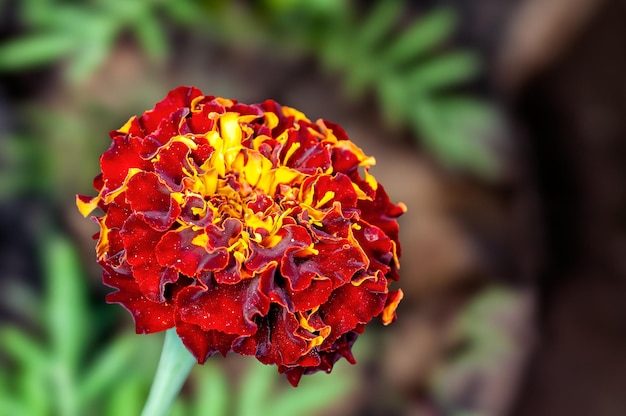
[149, 316]
[377, 245]
[190, 216]
[350, 305]
[180, 97]
[340, 185]
[168, 128]
[289, 237]
[310, 156]
[139, 240]
[221, 236]
[273, 286]
[226, 308]
[336, 129]
[338, 260]
[119, 158]
[382, 213]
[275, 342]
[203, 344]
[335, 224]
[172, 163]
[230, 274]
[175, 249]
[314, 295]
[293, 374]
[152, 199]
[118, 212]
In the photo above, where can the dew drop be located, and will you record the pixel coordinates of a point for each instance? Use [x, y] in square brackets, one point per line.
[370, 234]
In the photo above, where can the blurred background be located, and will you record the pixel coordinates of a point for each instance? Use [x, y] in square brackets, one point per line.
[500, 124]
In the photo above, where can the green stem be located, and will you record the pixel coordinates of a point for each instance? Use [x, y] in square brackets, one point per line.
[174, 367]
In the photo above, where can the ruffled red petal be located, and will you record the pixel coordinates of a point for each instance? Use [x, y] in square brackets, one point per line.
[204, 344]
[149, 316]
[139, 240]
[226, 308]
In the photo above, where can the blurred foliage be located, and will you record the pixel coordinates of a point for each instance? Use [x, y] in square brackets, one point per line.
[486, 328]
[406, 64]
[82, 34]
[67, 366]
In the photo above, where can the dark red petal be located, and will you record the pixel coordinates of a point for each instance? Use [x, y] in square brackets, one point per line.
[335, 128]
[139, 240]
[245, 109]
[199, 122]
[275, 342]
[203, 344]
[168, 127]
[273, 286]
[293, 374]
[377, 245]
[198, 219]
[119, 158]
[260, 203]
[383, 214]
[180, 97]
[342, 347]
[310, 156]
[338, 260]
[176, 250]
[317, 293]
[263, 254]
[221, 236]
[151, 198]
[201, 153]
[231, 273]
[340, 185]
[118, 212]
[350, 305]
[345, 161]
[149, 316]
[335, 224]
[226, 308]
[172, 163]
[327, 359]
[115, 253]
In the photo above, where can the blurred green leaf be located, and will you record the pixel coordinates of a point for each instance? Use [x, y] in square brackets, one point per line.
[109, 367]
[391, 93]
[443, 71]
[180, 407]
[380, 21]
[151, 37]
[97, 41]
[255, 389]
[453, 144]
[305, 400]
[213, 395]
[23, 349]
[35, 389]
[127, 399]
[185, 11]
[66, 309]
[35, 50]
[421, 37]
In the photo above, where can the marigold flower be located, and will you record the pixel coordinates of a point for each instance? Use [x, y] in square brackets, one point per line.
[249, 228]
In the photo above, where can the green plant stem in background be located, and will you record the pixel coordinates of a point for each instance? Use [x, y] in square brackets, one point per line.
[174, 367]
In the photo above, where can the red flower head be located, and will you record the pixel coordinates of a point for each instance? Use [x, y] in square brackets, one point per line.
[247, 227]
